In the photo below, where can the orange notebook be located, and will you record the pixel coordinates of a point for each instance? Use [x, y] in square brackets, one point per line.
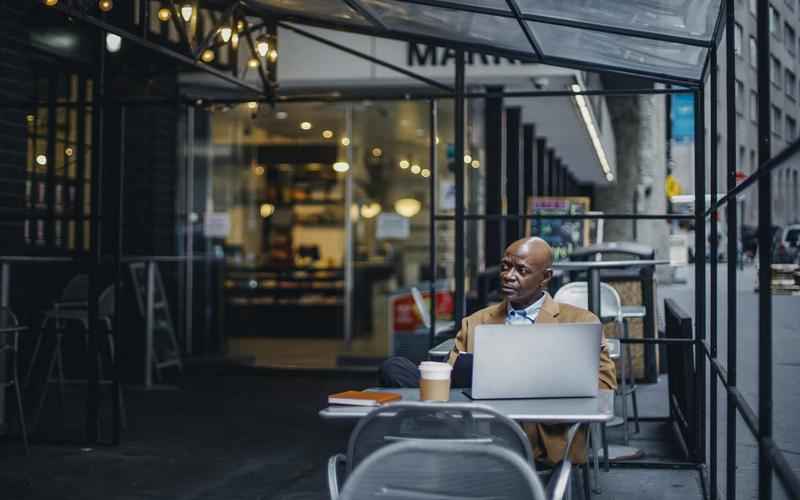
[363, 398]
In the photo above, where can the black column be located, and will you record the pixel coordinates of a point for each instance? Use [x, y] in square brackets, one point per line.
[550, 172]
[541, 166]
[514, 174]
[494, 231]
[528, 164]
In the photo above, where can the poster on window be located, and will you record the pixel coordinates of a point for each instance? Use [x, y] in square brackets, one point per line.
[564, 235]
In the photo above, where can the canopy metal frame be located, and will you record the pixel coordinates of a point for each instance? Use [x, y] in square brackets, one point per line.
[772, 461]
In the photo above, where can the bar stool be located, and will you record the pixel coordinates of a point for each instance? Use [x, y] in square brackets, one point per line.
[61, 316]
[10, 327]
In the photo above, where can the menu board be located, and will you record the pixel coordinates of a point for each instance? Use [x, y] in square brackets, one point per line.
[564, 235]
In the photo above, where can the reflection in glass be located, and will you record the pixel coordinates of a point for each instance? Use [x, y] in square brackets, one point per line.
[619, 51]
[330, 10]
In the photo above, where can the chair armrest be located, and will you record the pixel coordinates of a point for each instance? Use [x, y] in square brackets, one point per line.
[333, 474]
[12, 329]
[559, 481]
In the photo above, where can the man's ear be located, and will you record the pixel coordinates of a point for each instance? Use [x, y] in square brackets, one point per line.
[548, 275]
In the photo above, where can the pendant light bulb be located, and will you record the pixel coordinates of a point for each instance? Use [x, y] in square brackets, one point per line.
[262, 46]
[51, 3]
[273, 55]
[113, 42]
[226, 32]
[105, 5]
[235, 40]
[164, 14]
[187, 11]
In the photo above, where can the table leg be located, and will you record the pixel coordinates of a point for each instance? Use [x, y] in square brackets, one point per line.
[594, 291]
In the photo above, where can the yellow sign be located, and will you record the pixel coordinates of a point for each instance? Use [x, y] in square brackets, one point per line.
[672, 186]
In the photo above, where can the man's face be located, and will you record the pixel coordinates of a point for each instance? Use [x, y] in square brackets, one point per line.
[522, 276]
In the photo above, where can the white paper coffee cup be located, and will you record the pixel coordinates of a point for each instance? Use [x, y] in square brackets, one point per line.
[434, 383]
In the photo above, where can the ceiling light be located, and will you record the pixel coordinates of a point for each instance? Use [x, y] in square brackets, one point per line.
[225, 33]
[208, 55]
[29, 118]
[354, 212]
[377, 152]
[368, 211]
[105, 5]
[345, 141]
[425, 172]
[113, 42]
[586, 115]
[305, 125]
[252, 63]
[262, 46]
[259, 170]
[252, 105]
[69, 151]
[266, 210]
[609, 177]
[187, 11]
[41, 160]
[407, 207]
[467, 158]
[415, 169]
[273, 55]
[50, 3]
[164, 14]
[281, 115]
[437, 140]
[341, 166]
[476, 164]
[404, 164]
[327, 134]
[235, 40]
[240, 25]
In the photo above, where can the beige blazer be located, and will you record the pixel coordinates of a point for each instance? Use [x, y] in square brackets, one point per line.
[548, 441]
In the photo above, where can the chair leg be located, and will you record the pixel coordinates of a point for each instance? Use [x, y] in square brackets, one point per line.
[632, 387]
[587, 493]
[20, 407]
[594, 437]
[123, 417]
[60, 362]
[607, 463]
[624, 388]
[43, 395]
[36, 348]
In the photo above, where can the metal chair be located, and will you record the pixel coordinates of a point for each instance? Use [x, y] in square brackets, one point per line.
[438, 423]
[74, 310]
[10, 327]
[448, 470]
[611, 309]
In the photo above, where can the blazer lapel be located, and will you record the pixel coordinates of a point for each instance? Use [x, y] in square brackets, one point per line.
[549, 311]
[497, 315]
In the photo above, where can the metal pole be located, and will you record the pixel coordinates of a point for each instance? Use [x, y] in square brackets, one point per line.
[348, 233]
[713, 288]
[433, 132]
[96, 252]
[459, 114]
[149, 323]
[189, 207]
[731, 217]
[115, 332]
[764, 257]
[699, 268]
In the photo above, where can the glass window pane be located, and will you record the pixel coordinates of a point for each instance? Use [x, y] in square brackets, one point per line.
[330, 10]
[637, 54]
[688, 19]
[460, 26]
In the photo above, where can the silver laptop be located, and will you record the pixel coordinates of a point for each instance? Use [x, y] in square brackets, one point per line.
[552, 360]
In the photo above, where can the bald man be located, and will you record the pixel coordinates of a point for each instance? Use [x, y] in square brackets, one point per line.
[525, 272]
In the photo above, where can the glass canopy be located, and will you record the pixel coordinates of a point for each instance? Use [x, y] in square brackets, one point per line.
[659, 39]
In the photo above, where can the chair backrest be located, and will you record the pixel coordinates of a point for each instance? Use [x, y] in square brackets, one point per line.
[105, 305]
[414, 421]
[426, 469]
[7, 318]
[77, 289]
[576, 294]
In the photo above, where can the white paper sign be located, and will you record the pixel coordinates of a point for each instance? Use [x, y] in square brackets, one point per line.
[217, 224]
[392, 226]
[447, 195]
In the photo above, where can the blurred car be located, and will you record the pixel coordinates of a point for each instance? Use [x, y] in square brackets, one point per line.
[786, 245]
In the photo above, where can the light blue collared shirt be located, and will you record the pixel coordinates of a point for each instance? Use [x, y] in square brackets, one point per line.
[525, 316]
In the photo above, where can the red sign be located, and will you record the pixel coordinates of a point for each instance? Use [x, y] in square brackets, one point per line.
[740, 176]
[406, 317]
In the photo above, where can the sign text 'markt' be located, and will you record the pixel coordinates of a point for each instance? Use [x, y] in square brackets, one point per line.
[429, 55]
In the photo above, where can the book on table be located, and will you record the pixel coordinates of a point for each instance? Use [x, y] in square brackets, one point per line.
[363, 398]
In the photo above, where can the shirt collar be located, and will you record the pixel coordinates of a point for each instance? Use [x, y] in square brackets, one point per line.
[532, 311]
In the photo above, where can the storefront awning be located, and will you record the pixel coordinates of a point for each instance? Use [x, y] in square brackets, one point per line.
[666, 40]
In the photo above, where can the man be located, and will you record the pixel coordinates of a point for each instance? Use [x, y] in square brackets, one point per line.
[525, 272]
